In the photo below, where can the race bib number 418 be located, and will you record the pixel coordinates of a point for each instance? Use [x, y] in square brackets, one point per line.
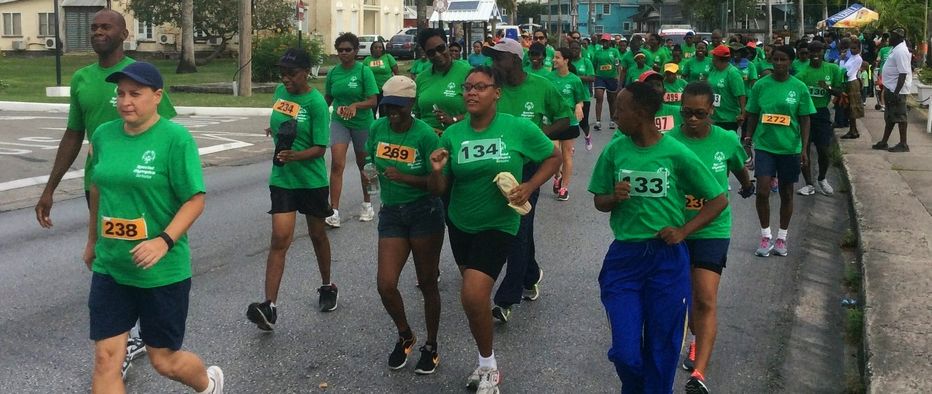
[645, 184]
[124, 229]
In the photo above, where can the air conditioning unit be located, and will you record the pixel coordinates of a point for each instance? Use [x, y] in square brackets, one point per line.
[19, 45]
[166, 39]
[129, 45]
[214, 41]
[598, 16]
[49, 43]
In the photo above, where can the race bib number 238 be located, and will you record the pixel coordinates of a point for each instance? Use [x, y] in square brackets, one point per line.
[124, 229]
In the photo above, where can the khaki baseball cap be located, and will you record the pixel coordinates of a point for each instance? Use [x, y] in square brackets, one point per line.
[505, 45]
[398, 90]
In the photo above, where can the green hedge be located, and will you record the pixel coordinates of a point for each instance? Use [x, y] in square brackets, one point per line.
[266, 52]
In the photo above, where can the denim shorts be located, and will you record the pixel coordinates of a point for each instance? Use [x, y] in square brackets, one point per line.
[709, 254]
[416, 219]
[610, 84]
[162, 311]
[784, 167]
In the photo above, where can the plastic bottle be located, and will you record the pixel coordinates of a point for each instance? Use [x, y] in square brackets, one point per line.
[372, 176]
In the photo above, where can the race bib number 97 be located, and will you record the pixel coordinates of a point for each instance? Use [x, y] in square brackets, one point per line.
[781, 120]
[287, 107]
[664, 123]
[645, 184]
[124, 229]
[477, 150]
[400, 153]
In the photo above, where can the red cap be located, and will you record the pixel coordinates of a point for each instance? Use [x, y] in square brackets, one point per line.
[606, 36]
[647, 74]
[721, 51]
[752, 44]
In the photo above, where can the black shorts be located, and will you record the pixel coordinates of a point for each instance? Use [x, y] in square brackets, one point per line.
[570, 133]
[311, 202]
[610, 84]
[784, 167]
[162, 311]
[708, 254]
[894, 107]
[485, 251]
[421, 218]
[820, 128]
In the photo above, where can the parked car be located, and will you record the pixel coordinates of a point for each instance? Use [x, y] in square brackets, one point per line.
[411, 31]
[677, 35]
[401, 46]
[365, 41]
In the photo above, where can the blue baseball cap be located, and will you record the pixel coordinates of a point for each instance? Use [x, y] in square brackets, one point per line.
[141, 72]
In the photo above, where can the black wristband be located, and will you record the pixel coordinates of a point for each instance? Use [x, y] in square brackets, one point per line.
[168, 240]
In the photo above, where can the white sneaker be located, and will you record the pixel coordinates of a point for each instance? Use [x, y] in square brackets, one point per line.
[333, 220]
[825, 188]
[807, 190]
[612, 126]
[366, 213]
[597, 126]
[472, 382]
[216, 374]
[488, 381]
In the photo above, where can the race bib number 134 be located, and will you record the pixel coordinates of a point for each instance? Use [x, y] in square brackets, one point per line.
[476, 150]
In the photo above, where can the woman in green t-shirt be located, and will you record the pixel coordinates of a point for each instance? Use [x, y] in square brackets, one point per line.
[485, 149]
[383, 66]
[439, 86]
[352, 91]
[574, 94]
[146, 191]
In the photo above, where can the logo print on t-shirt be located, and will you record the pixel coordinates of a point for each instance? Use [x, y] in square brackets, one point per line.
[113, 100]
[529, 105]
[352, 82]
[719, 165]
[451, 90]
[148, 156]
[791, 97]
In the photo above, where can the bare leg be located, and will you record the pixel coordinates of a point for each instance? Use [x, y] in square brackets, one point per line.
[903, 133]
[807, 168]
[282, 235]
[108, 358]
[393, 254]
[704, 320]
[474, 295]
[361, 162]
[337, 165]
[786, 204]
[180, 366]
[318, 234]
[426, 252]
[763, 201]
[566, 148]
[599, 93]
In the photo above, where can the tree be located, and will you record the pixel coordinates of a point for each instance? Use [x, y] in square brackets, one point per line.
[421, 15]
[216, 18]
[511, 6]
[187, 63]
[528, 9]
[908, 14]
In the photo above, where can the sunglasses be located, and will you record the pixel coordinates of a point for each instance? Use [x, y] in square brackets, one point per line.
[345, 50]
[686, 113]
[540, 37]
[479, 87]
[442, 48]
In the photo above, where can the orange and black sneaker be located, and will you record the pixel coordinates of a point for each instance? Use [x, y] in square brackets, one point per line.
[429, 360]
[696, 384]
[690, 362]
[399, 356]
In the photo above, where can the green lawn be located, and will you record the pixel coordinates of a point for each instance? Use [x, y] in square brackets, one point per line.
[25, 79]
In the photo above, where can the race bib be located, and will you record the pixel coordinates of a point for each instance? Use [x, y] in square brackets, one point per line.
[287, 107]
[782, 120]
[477, 150]
[817, 92]
[664, 123]
[124, 229]
[672, 97]
[693, 203]
[718, 100]
[605, 67]
[375, 63]
[645, 184]
[392, 152]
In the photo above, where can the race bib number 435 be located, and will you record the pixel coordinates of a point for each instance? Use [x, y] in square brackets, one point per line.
[645, 184]
[476, 150]
[782, 120]
[124, 229]
[287, 107]
[400, 153]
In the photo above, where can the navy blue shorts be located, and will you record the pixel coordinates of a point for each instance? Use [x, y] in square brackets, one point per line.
[485, 251]
[708, 254]
[162, 311]
[610, 84]
[784, 167]
[420, 218]
[820, 128]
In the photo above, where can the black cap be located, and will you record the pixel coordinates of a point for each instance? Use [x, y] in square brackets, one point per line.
[295, 57]
[141, 72]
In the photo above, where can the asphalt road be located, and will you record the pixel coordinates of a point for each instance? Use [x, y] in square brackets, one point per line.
[556, 344]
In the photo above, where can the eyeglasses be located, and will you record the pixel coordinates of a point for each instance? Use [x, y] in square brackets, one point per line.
[574, 37]
[686, 113]
[479, 87]
[344, 50]
[442, 48]
[540, 37]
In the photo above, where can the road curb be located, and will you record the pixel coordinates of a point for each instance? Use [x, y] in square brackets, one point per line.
[185, 111]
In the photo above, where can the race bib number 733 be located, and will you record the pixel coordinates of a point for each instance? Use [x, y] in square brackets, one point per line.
[644, 183]
[476, 150]
[124, 229]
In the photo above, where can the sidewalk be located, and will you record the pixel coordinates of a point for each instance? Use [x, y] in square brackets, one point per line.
[892, 198]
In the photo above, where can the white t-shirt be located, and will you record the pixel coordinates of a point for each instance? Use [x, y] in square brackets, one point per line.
[898, 62]
[853, 66]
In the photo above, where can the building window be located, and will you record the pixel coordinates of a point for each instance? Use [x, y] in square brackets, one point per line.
[599, 29]
[46, 24]
[12, 24]
[606, 9]
[626, 26]
[144, 31]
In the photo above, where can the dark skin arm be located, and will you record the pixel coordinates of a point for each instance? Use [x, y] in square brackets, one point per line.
[419, 182]
[520, 194]
[744, 177]
[68, 149]
[751, 126]
[804, 135]
[437, 183]
[313, 152]
[608, 202]
[557, 126]
[900, 81]
[710, 210]
[349, 111]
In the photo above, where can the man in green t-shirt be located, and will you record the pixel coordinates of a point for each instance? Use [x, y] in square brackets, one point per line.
[721, 152]
[698, 67]
[642, 178]
[607, 78]
[657, 54]
[534, 98]
[728, 84]
[882, 54]
[689, 45]
[628, 60]
[824, 81]
[668, 116]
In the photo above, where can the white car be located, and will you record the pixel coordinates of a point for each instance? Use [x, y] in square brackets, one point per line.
[365, 41]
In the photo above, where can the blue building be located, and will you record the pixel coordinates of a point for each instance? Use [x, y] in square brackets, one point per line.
[611, 16]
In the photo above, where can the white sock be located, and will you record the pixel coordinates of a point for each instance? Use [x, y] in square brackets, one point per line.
[210, 386]
[781, 234]
[488, 362]
[692, 338]
[367, 205]
[336, 212]
[765, 233]
[327, 284]
[272, 305]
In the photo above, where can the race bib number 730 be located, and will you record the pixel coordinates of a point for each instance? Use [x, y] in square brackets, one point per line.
[644, 183]
[124, 229]
[476, 150]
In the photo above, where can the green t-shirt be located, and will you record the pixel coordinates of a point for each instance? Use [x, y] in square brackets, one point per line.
[476, 157]
[143, 181]
[762, 65]
[605, 62]
[749, 74]
[313, 129]
[419, 65]
[688, 50]
[443, 90]
[381, 68]
[833, 76]
[728, 85]
[674, 91]
[571, 90]
[798, 66]
[779, 106]
[534, 99]
[883, 54]
[720, 152]
[93, 102]
[660, 175]
[628, 63]
[659, 57]
[668, 117]
[348, 86]
[584, 68]
[547, 63]
[407, 151]
[543, 71]
[634, 72]
[696, 70]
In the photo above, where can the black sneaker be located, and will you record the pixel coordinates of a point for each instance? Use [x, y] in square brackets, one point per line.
[696, 384]
[263, 314]
[399, 356]
[328, 298]
[880, 146]
[429, 360]
[901, 147]
[502, 313]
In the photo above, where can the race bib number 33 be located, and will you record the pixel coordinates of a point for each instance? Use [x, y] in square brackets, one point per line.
[476, 150]
[287, 107]
[124, 229]
[782, 120]
[645, 184]
[400, 153]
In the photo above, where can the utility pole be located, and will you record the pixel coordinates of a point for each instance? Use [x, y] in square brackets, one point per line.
[802, 18]
[244, 81]
[559, 22]
[590, 29]
[769, 21]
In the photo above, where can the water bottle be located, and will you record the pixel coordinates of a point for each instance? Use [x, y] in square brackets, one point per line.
[372, 178]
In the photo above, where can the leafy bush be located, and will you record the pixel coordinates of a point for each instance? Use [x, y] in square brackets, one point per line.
[925, 75]
[266, 52]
